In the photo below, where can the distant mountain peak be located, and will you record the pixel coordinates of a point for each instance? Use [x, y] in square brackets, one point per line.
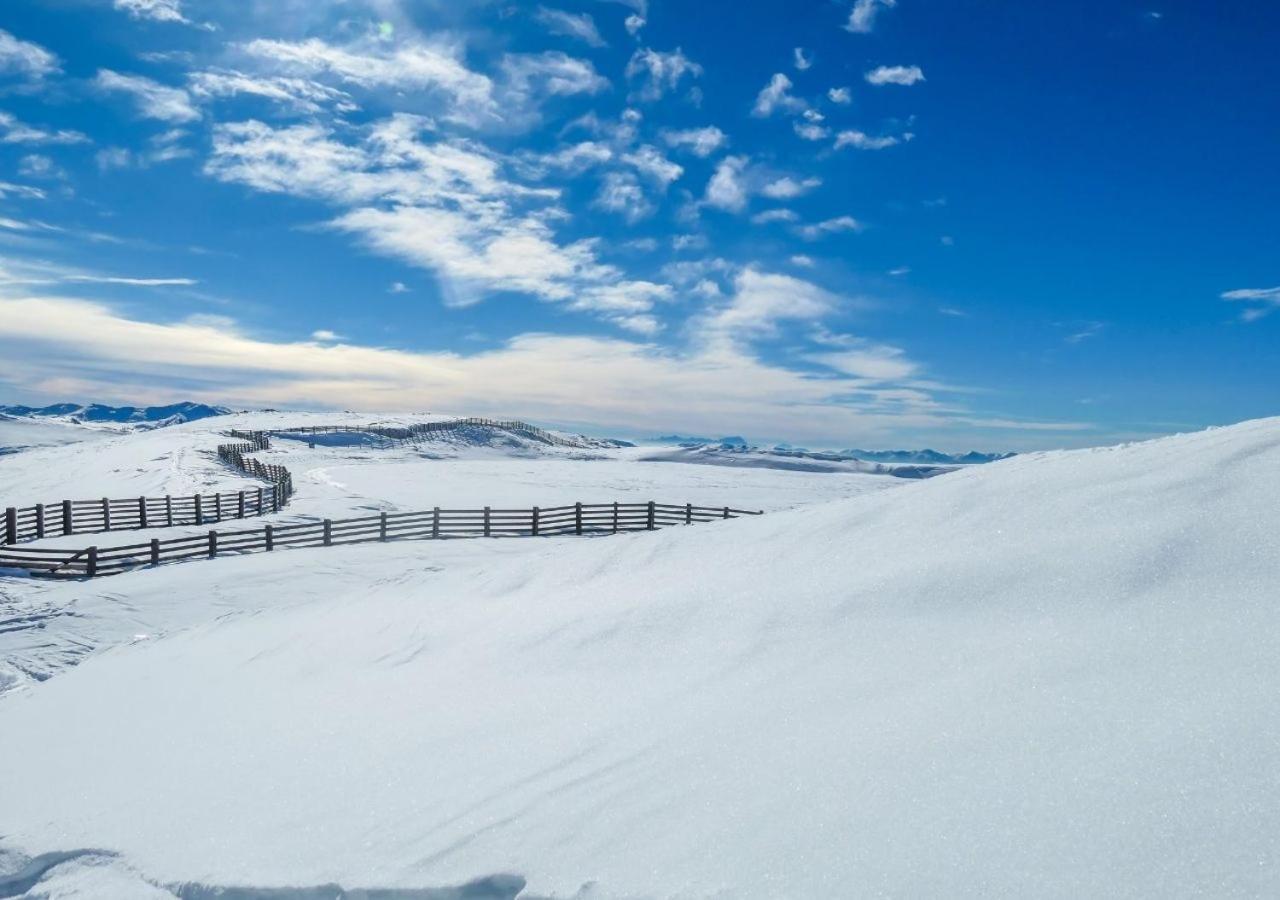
[152, 416]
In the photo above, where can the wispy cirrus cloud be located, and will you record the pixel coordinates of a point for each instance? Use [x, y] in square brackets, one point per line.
[580, 26]
[660, 72]
[1262, 301]
[13, 131]
[442, 205]
[25, 58]
[152, 99]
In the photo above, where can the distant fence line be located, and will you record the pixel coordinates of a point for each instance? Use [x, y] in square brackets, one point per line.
[412, 432]
[434, 524]
[29, 523]
[91, 516]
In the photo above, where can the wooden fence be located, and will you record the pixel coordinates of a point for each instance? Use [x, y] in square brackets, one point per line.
[413, 432]
[29, 523]
[434, 524]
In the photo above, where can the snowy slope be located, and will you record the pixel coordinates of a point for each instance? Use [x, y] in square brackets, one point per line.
[1050, 676]
[19, 435]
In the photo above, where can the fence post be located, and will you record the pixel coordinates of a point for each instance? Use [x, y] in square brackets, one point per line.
[217, 507]
[213, 543]
[11, 525]
[535, 521]
[66, 516]
[242, 504]
[270, 539]
[168, 511]
[259, 510]
[486, 521]
[328, 532]
[726, 512]
[155, 551]
[91, 565]
[106, 514]
[275, 497]
[435, 522]
[688, 513]
[39, 520]
[382, 526]
[615, 516]
[651, 526]
[142, 512]
[199, 512]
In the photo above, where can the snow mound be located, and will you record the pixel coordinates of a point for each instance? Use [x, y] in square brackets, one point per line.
[1050, 676]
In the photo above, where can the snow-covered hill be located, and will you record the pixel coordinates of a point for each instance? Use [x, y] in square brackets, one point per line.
[1051, 676]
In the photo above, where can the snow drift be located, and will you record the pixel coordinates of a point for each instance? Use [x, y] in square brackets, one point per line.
[1050, 676]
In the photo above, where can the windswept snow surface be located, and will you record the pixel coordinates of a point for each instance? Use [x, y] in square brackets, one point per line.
[1052, 676]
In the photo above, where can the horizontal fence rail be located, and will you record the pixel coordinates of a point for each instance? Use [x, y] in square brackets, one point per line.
[433, 524]
[64, 517]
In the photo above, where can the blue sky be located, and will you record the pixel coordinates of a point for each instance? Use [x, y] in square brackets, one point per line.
[838, 223]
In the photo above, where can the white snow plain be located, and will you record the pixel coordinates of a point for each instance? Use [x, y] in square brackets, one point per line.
[1052, 676]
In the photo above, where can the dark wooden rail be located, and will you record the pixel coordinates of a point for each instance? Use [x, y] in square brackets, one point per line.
[63, 517]
[434, 524]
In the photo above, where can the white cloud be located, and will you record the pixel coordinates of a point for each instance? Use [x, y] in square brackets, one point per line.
[702, 142]
[874, 362]
[19, 57]
[811, 132]
[298, 94]
[862, 141]
[830, 226]
[786, 187]
[650, 162]
[531, 76]
[775, 215]
[398, 287]
[761, 301]
[620, 192]
[156, 10]
[132, 282]
[1262, 300]
[904, 75]
[841, 95]
[324, 334]
[802, 60]
[154, 100]
[776, 96]
[580, 26]
[441, 205]
[804, 262]
[633, 23]
[109, 158]
[863, 15]
[37, 165]
[21, 190]
[660, 72]
[726, 189]
[589, 381]
[468, 95]
[900, 270]
[12, 131]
